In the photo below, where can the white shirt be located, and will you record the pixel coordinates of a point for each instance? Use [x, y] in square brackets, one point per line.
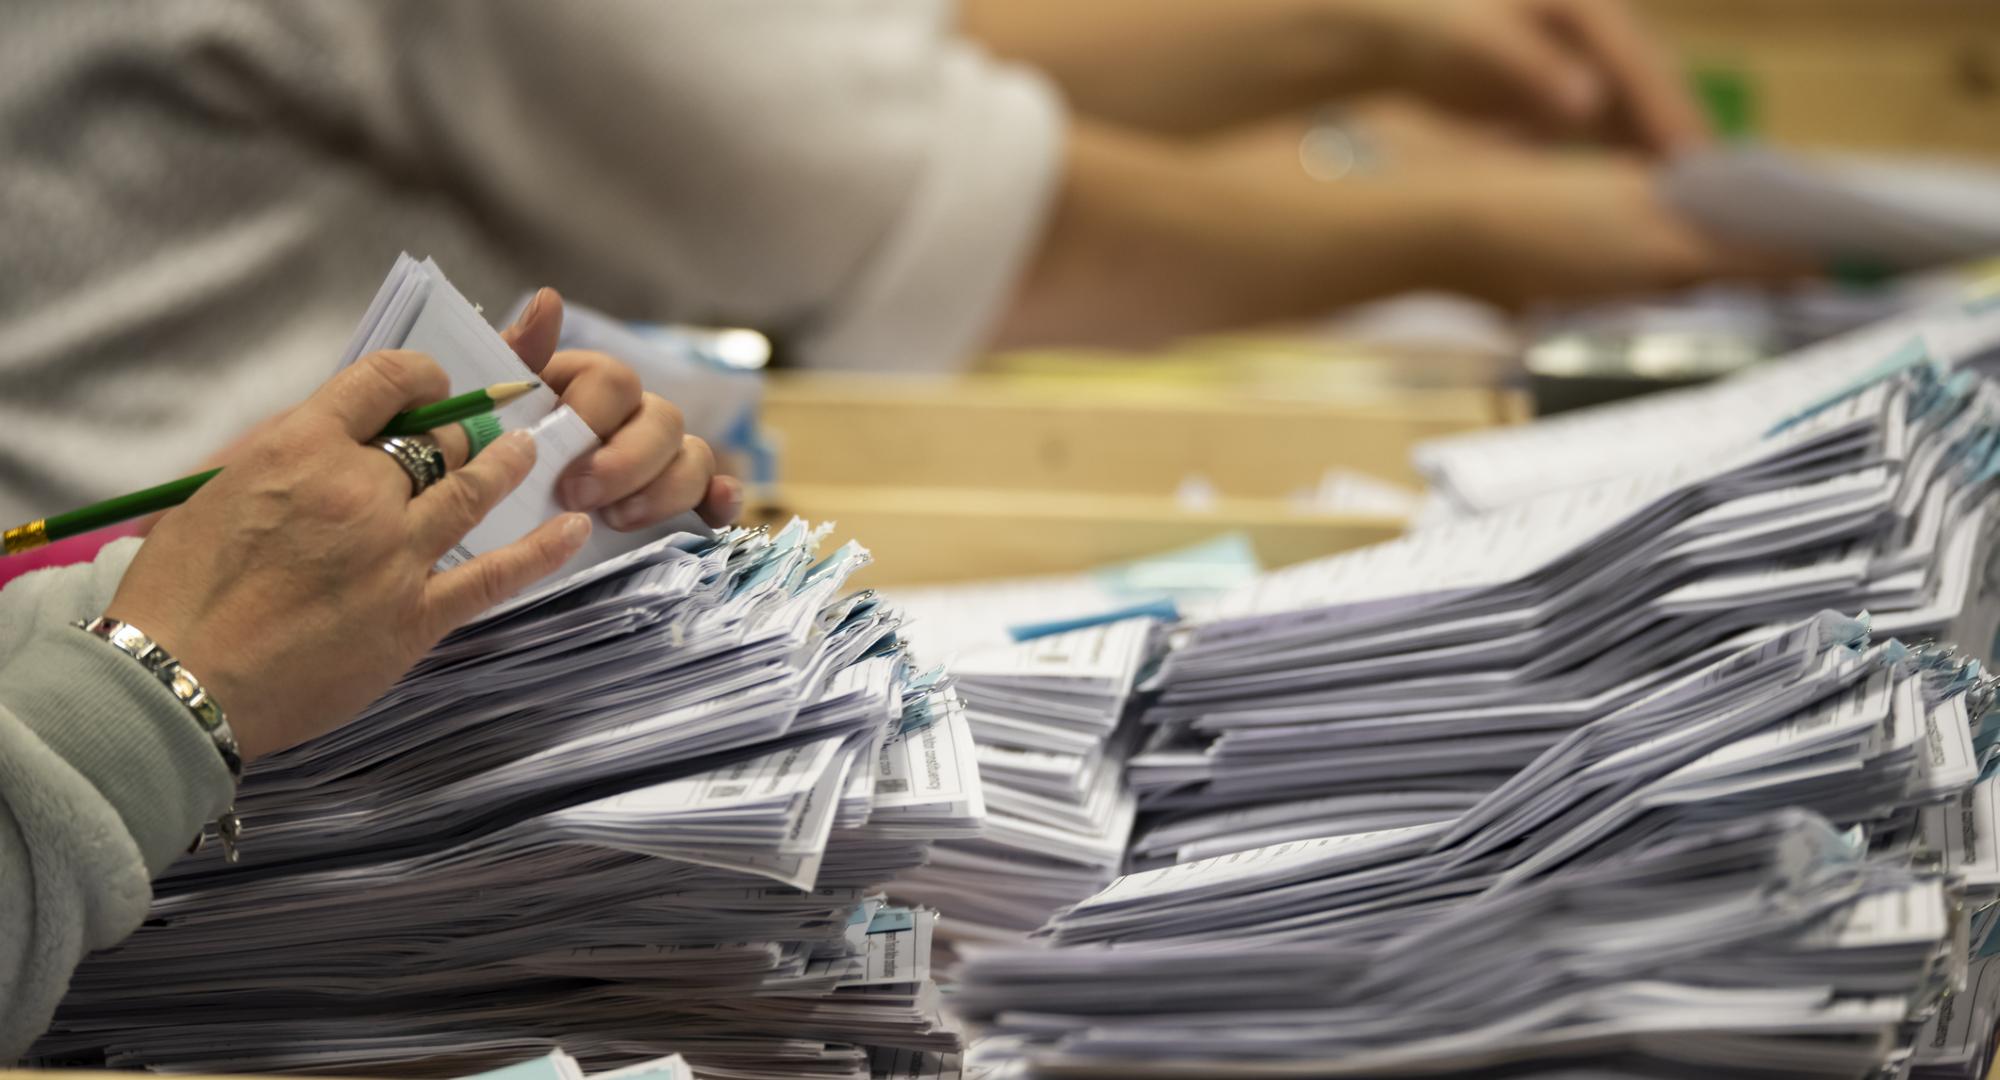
[202, 195]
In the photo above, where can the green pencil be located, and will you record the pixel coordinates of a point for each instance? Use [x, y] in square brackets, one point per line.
[175, 492]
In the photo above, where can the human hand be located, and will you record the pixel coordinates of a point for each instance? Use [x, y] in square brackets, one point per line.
[1578, 68]
[649, 469]
[1470, 209]
[1580, 227]
[1574, 69]
[1388, 139]
[297, 584]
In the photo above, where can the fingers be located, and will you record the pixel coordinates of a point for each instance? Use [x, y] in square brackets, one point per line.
[534, 335]
[455, 445]
[629, 460]
[462, 593]
[684, 485]
[1656, 104]
[1510, 66]
[1742, 262]
[604, 392]
[441, 516]
[363, 396]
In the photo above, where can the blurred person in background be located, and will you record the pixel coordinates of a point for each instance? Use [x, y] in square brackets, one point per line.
[203, 194]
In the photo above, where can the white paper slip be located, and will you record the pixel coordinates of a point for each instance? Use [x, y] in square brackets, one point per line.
[1907, 213]
[418, 309]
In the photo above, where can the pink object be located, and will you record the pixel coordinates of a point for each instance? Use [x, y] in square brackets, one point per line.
[76, 549]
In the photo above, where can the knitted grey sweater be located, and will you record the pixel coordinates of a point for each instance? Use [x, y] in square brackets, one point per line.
[200, 196]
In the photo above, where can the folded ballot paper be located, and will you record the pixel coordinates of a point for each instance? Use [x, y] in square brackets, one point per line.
[1593, 784]
[418, 309]
[648, 807]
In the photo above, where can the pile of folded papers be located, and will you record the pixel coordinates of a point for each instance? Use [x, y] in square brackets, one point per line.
[1399, 684]
[1046, 715]
[646, 809]
[1592, 783]
[1765, 866]
[1482, 471]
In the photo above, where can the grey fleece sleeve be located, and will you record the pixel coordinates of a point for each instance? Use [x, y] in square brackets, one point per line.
[104, 778]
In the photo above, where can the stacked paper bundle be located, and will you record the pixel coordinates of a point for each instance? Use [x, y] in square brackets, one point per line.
[1755, 868]
[1957, 1042]
[648, 807]
[1046, 715]
[1400, 684]
[1483, 471]
[1581, 786]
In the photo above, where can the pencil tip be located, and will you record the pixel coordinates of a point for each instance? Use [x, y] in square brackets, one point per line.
[508, 391]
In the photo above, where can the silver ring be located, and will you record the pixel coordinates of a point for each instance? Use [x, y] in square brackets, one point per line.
[1332, 150]
[418, 455]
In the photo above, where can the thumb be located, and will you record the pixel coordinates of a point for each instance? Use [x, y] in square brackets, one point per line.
[534, 335]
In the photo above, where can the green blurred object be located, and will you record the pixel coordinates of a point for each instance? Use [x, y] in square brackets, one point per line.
[1729, 98]
[1859, 273]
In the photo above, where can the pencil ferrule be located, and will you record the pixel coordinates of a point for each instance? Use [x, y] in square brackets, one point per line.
[27, 537]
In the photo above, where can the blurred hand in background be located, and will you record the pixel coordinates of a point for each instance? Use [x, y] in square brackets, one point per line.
[1558, 68]
[1503, 149]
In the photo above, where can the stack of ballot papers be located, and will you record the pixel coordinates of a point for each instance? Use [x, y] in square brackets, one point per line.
[1957, 1042]
[1483, 471]
[1399, 684]
[1047, 717]
[1762, 865]
[646, 808]
[1594, 784]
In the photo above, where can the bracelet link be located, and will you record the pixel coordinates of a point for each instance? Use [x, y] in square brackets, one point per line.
[187, 689]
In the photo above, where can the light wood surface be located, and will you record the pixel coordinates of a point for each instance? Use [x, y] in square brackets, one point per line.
[997, 433]
[1914, 75]
[1060, 463]
[925, 535]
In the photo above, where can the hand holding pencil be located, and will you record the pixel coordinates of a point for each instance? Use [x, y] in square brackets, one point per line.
[165, 496]
[299, 582]
[648, 470]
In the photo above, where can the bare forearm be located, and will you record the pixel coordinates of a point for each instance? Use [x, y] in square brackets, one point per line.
[1186, 66]
[1147, 242]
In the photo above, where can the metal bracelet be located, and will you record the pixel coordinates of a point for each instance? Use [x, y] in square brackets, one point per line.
[182, 683]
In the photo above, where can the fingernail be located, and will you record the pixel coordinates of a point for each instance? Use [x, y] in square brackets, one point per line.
[731, 503]
[515, 442]
[534, 305]
[583, 492]
[575, 529]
